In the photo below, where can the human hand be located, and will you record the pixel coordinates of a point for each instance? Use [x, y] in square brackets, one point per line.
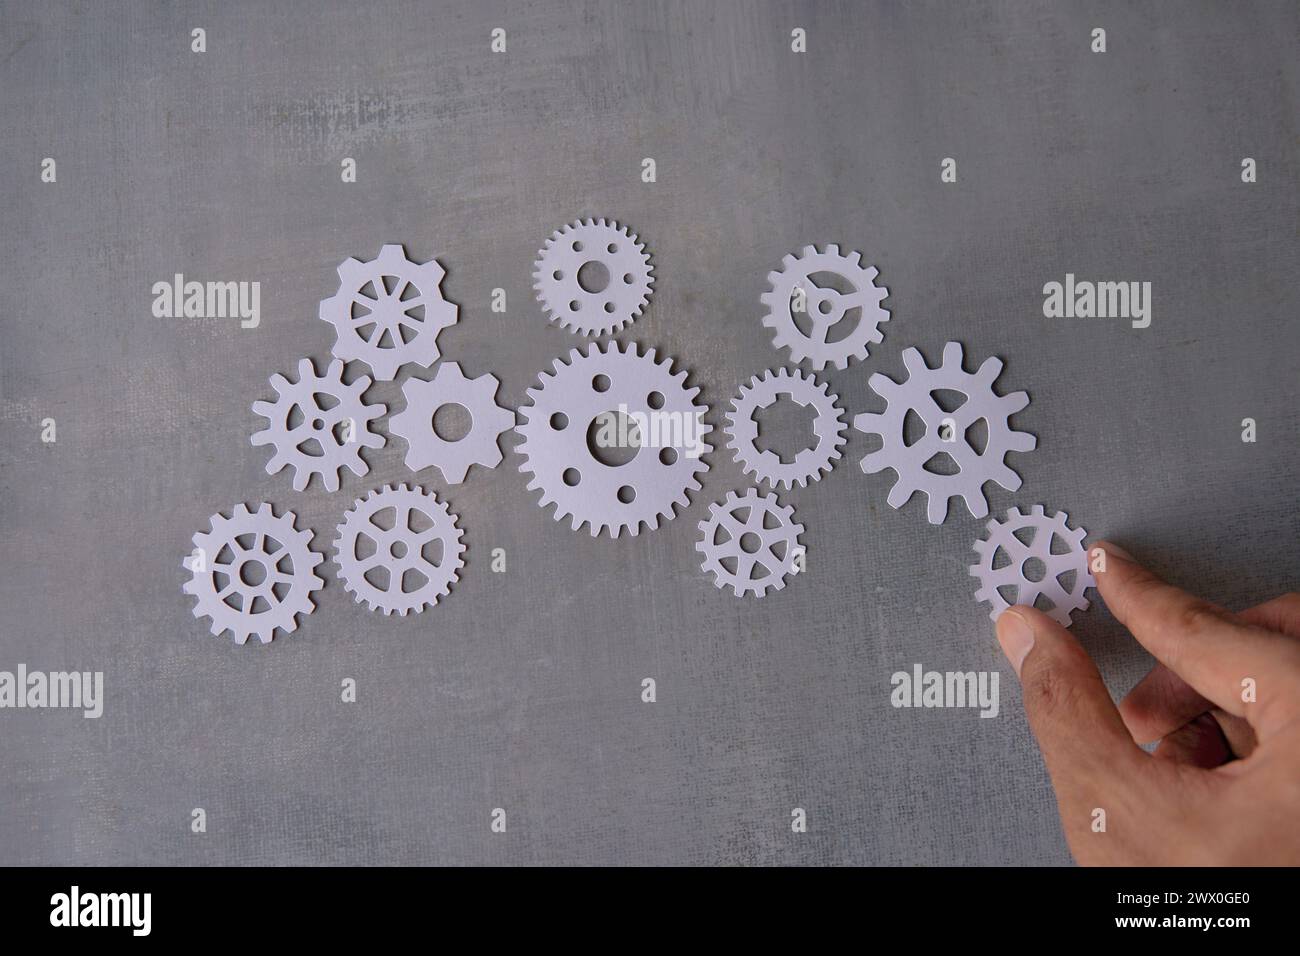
[1223, 786]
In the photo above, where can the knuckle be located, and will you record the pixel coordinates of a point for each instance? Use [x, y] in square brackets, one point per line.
[1290, 602]
[1198, 616]
[1050, 692]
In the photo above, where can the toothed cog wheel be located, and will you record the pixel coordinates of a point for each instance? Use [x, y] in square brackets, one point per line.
[388, 312]
[837, 326]
[329, 436]
[946, 433]
[398, 550]
[478, 446]
[663, 429]
[626, 282]
[828, 428]
[750, 543]
[1004, 558]
[253, 573]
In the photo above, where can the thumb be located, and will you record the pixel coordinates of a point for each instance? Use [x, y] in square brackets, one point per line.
[1088, 750]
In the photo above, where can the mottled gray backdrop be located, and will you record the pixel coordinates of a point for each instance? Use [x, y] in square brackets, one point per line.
[522, 689]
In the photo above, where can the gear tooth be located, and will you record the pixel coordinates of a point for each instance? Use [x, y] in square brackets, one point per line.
[349, 267]
[833, 249]
[914, 362]
[808, 251]
[1036, 510]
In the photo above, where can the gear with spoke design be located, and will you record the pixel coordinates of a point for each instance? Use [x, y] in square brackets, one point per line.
[581, 304]
[388, 312]
[1005, 557]
[253, 573]
[426, 448]
[658, 422]
[396, 538]
[828, 428]
[765, 538]
[947, 435]
[334, 426]
[821, 307]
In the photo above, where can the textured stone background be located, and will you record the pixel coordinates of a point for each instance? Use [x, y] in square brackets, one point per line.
[521, 690]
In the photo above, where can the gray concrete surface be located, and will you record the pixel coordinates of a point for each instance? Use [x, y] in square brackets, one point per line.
[521, 691]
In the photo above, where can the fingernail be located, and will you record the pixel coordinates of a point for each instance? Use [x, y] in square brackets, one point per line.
[1119, 552]
[1016, 637]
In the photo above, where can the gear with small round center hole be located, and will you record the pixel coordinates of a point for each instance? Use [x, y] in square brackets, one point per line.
[318, 425]
[750, 543]
[253, 573]
[600, 248]
[399, 550]
[1053, 549]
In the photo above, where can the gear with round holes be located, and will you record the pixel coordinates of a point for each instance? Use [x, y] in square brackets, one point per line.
[828, 428]
[253, 573]
[576, 302]
[946, 433]
[822, 308]
[615, 400]
[397, 549]
[766, 538]
[1073, 561]
[426, 448]
[388, 312]
[329, 436]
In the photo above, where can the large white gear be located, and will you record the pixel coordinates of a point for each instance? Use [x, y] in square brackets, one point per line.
[433, 553]
[1073, 559]
[618, 301]
[825, 307]
[253, 546]
[377, 312]
[488, 420]
[573, 399]
[339, 430]
[766, 538]
[828, 428]
[976, 467]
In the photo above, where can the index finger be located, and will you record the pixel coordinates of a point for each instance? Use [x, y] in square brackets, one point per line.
[1245, 670]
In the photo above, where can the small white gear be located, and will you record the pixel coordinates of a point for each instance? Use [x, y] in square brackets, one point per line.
[253, 547]
[945, 432]
[618, 301]
[488, 420]
[417, 538]
[388, 312]
[1002, 541]
[766, 538]
[828, 428]
[330, 436]
[575, 399]
[825, 308]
